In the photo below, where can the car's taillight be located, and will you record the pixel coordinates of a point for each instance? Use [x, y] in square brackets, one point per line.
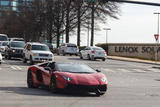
[92, 52]
[105, 53]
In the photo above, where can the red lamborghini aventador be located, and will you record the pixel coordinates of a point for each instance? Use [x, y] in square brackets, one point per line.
[67, 76]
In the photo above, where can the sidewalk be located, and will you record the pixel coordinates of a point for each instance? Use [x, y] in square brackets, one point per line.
[133, 60]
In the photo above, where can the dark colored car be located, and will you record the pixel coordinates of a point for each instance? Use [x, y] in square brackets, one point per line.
[14, 49]
[68, 77]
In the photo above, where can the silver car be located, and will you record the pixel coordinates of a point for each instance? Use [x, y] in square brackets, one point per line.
[93, 53]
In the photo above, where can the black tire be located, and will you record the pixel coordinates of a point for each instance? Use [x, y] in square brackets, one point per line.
[31, 61]
[92, 58]
[30, 80]
[0, 62]
[81, 56]
[103, 59]
[89, 57]
[53, 87]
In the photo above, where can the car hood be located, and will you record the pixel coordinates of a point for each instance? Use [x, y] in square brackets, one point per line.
[42, 52]
[84, 79]
[17, 48]
[3, 47]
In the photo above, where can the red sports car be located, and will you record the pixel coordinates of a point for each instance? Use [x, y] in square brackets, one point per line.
[67, 76]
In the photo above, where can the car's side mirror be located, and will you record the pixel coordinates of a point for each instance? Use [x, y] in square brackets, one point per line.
[98, 70]
[47, 68]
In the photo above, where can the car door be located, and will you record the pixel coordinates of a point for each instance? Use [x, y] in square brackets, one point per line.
[46, 73]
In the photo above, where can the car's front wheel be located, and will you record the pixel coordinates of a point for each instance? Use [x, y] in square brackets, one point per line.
[30, 83]
[53, 86]
[103, 59]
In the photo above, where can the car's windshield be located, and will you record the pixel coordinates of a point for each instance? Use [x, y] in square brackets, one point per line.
[18, 44]
[4, 43]
[3, 38]
[75, 68]
[40, 47]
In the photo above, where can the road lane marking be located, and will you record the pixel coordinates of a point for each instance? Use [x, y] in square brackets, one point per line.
[16, 68]
[108, 70]
[123, 70]
[139, 70]
[154, 70]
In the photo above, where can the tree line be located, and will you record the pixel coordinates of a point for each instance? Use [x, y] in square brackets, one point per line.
[52, 18]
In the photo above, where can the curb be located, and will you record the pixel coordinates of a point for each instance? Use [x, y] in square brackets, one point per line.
[129, 60]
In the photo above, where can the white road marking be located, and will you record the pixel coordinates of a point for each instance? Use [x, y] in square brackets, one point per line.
[108, 70]
[123, 70]
[139, 70]
[154, 70]
[18, 68]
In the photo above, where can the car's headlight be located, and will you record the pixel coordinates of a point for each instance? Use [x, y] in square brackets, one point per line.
[67, 78]
[13, 50]
[50, 55]
[104, 79]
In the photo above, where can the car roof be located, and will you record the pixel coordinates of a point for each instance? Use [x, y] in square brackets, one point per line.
[3, 35]
[17, 41]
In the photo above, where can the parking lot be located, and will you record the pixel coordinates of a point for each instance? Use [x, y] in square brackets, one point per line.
[130, 84]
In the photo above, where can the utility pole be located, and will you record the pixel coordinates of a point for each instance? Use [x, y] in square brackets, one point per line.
[157, 41]
[106, 29]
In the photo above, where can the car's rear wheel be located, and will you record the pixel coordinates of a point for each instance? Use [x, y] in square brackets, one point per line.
[53, 85]
[89, 57]
[103, 59]
[92, 58]
[30, 83]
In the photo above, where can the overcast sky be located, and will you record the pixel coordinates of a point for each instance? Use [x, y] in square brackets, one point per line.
[136, 24]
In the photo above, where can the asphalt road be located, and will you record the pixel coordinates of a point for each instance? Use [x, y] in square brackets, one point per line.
[130, 85]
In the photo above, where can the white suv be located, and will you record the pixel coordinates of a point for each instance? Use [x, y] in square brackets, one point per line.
[37, 52]
[68, 48]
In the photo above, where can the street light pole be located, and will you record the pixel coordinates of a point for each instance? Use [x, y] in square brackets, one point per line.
[157, 41]
[106, 29]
